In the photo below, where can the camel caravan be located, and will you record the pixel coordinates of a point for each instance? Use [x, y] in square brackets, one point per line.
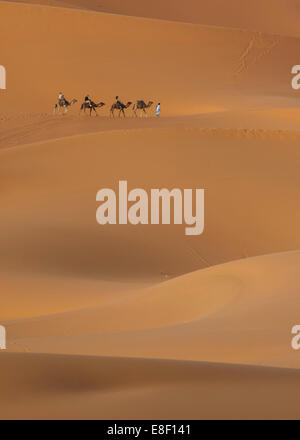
[138, 108]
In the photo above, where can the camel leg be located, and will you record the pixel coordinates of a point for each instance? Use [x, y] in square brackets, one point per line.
[95, 111]
[91, 109]
[56, 108]
[145, 113]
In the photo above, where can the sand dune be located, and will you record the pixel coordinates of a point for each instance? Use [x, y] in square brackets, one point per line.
[140, 61]
[85, 387]
[240, 312]
[258, 15]
[63, 176]
[40, 180]
[155, 316]
[282, 122]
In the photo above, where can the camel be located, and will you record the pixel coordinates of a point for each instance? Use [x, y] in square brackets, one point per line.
[65, 104]
[141, 105]
[119, 106]
[91, 106]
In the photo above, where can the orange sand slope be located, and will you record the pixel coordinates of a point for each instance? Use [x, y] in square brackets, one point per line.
[75, 387]
[280, 123]
[50, 201]
[277, 17]
[191, 69]
[134, 321]
[240, 312]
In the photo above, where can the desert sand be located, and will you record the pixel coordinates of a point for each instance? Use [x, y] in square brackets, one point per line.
[122, 321]
[277, 17]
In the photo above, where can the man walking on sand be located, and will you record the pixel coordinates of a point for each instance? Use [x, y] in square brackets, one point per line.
[157, 111]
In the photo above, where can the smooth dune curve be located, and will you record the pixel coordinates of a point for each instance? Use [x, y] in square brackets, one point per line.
[55, 387]
[239, 312]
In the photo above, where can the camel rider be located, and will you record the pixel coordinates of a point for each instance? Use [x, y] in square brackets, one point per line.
[87, 100]
[61, 98]
[118, 102]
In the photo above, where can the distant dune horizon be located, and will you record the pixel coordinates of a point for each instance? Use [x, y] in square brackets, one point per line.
[257, 15]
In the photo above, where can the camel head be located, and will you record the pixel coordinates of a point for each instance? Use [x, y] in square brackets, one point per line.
[150, 103]
[101, 104]
[73, 101]
[128, 104]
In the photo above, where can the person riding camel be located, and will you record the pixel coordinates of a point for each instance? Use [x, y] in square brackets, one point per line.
[87, 100]
[61, 97]
[118, 102]
[62, 100]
